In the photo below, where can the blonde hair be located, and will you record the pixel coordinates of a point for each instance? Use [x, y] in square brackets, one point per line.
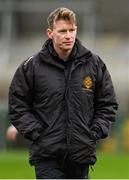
[61, 13]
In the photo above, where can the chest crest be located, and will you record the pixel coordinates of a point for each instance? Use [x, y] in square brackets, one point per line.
[88, 82]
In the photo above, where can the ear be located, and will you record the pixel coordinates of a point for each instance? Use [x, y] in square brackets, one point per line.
[49, 33]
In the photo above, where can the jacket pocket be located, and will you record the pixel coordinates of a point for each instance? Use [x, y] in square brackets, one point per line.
[83, 147]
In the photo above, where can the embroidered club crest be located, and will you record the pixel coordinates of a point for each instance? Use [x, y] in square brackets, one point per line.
[87, 82]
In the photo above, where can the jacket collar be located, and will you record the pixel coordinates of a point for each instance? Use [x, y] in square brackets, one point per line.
[49, 55]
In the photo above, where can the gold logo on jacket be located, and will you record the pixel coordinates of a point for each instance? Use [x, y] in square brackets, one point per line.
[87, 82]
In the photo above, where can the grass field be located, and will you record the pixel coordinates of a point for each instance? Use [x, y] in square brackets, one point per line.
[14, 165]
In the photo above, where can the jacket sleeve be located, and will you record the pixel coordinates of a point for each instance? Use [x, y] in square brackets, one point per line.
[20, 102]
[104, 102]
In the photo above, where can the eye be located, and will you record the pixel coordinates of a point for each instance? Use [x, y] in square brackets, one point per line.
[72, 30]
[62, 31]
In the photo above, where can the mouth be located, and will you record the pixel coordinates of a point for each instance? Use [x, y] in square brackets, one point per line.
[68, 43]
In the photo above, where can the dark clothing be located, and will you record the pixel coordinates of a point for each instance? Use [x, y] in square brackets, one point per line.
[53, 169]
[62, 107]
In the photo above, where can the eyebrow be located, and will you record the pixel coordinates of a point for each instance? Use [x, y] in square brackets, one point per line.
[61, 30]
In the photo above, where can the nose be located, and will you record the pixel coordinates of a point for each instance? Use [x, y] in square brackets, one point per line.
[68, 34]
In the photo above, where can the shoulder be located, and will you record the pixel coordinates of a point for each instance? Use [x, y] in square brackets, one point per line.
[96, 58]
[97, 61]
[31, 60]
[29, 63]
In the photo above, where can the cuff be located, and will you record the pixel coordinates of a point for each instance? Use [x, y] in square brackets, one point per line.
[96, 133]
[35, 135]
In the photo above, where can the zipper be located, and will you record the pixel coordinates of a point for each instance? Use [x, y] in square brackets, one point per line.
[67, 72]
[68, 69]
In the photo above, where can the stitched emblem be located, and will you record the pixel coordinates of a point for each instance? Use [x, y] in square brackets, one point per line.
[88, 82]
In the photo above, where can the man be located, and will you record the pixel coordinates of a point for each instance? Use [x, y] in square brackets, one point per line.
[62, 99]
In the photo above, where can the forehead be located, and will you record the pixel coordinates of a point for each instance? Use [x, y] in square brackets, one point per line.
[59, 24]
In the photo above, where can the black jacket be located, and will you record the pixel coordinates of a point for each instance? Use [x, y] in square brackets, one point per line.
[62, 107]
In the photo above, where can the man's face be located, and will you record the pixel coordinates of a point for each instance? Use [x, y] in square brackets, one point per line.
[63, 35]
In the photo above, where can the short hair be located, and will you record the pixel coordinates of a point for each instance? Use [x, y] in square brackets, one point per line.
[61, 13]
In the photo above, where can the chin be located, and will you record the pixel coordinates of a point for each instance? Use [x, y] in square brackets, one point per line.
[69, 47]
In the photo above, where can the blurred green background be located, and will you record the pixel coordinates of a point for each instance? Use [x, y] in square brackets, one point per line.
[103, 27]
[14, 165]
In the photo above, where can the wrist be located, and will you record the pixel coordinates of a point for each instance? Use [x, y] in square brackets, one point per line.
[94, 135]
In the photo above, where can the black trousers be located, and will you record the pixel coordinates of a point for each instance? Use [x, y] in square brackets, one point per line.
[58, 169]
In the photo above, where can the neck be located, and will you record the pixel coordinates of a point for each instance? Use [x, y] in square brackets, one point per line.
[63, 54]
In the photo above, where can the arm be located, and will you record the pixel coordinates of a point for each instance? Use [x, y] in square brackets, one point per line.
[105, 104]
[20, 102]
